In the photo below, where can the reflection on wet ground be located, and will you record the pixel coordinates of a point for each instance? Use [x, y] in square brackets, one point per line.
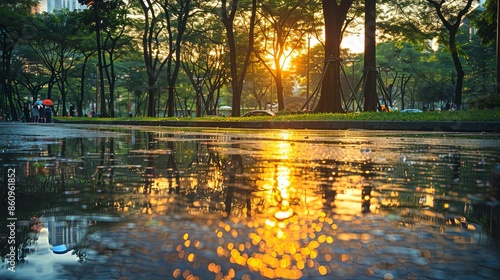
[104, 202]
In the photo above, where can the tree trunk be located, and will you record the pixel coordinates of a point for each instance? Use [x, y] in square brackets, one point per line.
[79, 104]
[110, 77]
[99, 59]
[63, 93]
[331, 94]
[279, 88]
[151, 95]
[183, 16]
[236, 91]
[452, 28]
[237, 80]
[370, 90]
[459, 68]
[7, 85]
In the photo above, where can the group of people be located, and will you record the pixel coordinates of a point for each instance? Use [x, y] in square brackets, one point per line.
[39, 113]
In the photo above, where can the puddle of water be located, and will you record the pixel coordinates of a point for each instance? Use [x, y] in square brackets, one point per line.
[142, 202]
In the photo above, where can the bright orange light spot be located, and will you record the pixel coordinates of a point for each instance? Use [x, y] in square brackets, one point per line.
[220, 251]
[284, 263]
[177, 273]
[345, 257]
[300, 265]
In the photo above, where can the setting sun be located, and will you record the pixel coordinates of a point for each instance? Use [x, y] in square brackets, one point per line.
[355, 43]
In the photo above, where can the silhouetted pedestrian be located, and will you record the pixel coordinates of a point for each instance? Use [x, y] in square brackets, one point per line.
[26, 111]
[36, 113]
[48, 114]
[41, 112]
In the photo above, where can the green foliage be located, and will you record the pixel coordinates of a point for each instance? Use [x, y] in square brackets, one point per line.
[485, 20]
[487, 101]
[416, 73]
[464, 115]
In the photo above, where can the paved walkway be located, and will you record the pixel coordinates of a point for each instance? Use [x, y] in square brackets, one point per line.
[369, 247]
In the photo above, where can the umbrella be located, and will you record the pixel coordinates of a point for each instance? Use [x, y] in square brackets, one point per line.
[39, 102]
[47, 102]
[60, 249]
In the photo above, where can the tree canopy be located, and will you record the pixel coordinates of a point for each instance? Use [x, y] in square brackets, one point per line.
[190, 58]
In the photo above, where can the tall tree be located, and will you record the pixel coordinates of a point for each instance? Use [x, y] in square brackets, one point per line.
[115, 44]
[177, 14]
[335, 16]
[451, 14]
[485, 20]
[282, 26]
[97, 7]
[228, 15]
[204, 62]
[424, 20]
[87, 49]
[163, 30]
[487, 24]
[55, 44]
[153, 29]
[370, 91]
[14, 16]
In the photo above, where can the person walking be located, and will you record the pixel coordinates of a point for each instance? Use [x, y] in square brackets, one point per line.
[26, 113]
[48, 114]
[36, 113]
[41, 112]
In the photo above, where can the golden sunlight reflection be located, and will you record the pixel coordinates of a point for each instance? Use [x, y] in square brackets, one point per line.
[277, 205]
[281, 192]
[290, 227]
[281, 244]
[294, 213]
[283, 249]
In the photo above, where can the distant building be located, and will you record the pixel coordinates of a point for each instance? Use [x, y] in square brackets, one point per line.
[53, 5]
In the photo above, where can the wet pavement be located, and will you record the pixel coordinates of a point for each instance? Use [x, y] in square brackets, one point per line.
[249, 204]
[334, 249]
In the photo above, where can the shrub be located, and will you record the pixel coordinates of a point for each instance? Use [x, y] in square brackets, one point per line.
[490, 101]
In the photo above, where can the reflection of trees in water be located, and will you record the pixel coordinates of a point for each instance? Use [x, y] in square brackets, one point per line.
[205, 189]
[172, 170]
[46, 180]
[43, 176]
[260, 188]
[435, 183]
[194, 177]
[235, 167]
[226, 178]
[105, 172]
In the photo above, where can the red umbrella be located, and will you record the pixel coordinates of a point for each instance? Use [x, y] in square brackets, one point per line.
[47, 102]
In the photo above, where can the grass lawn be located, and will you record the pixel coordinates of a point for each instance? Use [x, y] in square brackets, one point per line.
[478, 115]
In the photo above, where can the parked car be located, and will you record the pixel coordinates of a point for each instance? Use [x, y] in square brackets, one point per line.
[258, 113]
[411, 111]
